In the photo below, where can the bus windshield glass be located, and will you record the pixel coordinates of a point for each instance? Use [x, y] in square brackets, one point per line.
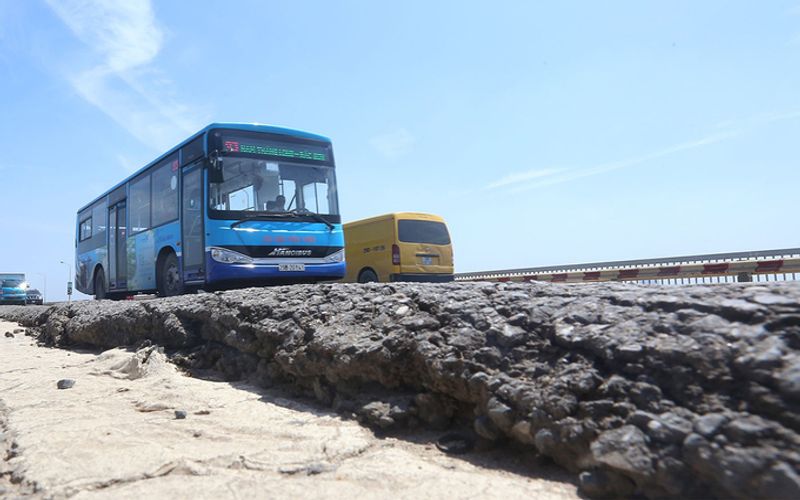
[253, 186]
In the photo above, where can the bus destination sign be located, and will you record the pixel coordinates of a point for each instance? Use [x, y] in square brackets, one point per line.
[276, 149]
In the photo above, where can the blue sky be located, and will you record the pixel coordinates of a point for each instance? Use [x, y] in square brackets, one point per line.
[545, 134]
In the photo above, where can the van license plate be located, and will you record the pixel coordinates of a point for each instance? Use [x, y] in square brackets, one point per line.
[291, 267]
[427, 261]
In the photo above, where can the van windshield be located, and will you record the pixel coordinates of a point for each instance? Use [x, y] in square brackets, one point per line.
[423, 231]
[12, 283]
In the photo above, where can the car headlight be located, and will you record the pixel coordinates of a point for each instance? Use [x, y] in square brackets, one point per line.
[335, 257]
[226, 256]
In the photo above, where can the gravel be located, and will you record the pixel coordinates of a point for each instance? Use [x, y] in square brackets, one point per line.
[65, 383]
[649, 390]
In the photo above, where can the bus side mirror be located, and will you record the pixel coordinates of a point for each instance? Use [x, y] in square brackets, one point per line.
[215, 170]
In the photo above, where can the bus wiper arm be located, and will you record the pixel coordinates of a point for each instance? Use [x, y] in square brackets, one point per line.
[317, 217]
[283, 215]
[258, 217]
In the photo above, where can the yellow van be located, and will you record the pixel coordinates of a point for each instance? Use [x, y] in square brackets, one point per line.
[401, 246]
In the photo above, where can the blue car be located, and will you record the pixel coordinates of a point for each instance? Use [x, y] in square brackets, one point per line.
[13, 291]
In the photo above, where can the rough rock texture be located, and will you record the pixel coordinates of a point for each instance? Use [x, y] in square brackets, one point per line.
[662, 391]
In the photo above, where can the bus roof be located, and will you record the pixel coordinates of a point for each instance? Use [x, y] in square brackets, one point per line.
[252, 127]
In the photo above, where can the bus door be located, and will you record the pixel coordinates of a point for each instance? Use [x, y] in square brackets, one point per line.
[192, 224]
[117, 247]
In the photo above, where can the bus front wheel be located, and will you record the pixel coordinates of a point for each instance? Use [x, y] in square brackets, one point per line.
[100, 285]
[367, 276]
[170, 282]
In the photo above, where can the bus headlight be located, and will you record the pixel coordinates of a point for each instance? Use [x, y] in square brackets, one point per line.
[226, 256]
[335, 257]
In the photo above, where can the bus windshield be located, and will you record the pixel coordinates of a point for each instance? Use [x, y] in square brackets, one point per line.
[264, 187]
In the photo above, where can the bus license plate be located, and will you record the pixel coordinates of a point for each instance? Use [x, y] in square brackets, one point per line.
[291, 267]
[427, 261]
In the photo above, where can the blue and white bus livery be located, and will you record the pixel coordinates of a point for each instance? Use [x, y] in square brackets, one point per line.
[234, 205]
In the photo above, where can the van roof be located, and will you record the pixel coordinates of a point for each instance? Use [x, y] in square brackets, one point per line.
[396, 215]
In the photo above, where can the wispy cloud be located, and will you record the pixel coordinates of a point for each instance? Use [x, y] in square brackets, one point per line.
[541, 177]
[124, 84]
[575, 174]
[517, 177]
[128, 165]
[393, 145]
[125, 33]
[778, 116]
[537, 178]
[742, 125]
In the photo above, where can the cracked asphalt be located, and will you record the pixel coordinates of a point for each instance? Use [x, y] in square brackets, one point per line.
[115, 434]
[658, 391]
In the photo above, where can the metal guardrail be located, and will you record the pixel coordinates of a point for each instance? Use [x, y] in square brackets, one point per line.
[736, 266]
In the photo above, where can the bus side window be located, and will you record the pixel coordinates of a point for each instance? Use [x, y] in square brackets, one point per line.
[165, 195]
[139, 211]
[86, 229]
[99, 216]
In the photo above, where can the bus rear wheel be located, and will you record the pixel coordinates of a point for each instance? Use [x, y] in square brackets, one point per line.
[170, 282]
[100, 285]
[367, 276]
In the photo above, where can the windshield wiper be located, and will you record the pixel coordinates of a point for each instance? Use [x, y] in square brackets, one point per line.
[282, 215]
[317, 217]
[259, 217]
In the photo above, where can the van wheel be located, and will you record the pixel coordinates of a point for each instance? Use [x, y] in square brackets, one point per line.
[367, 276]
[170, 282]
[100, 285]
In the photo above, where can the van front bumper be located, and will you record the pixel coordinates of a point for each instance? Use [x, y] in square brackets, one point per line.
[422, 277]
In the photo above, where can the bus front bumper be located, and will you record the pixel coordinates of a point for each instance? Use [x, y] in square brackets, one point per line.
[270, 273]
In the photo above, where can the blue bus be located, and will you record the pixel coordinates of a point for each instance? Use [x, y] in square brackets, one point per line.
[234, 205]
